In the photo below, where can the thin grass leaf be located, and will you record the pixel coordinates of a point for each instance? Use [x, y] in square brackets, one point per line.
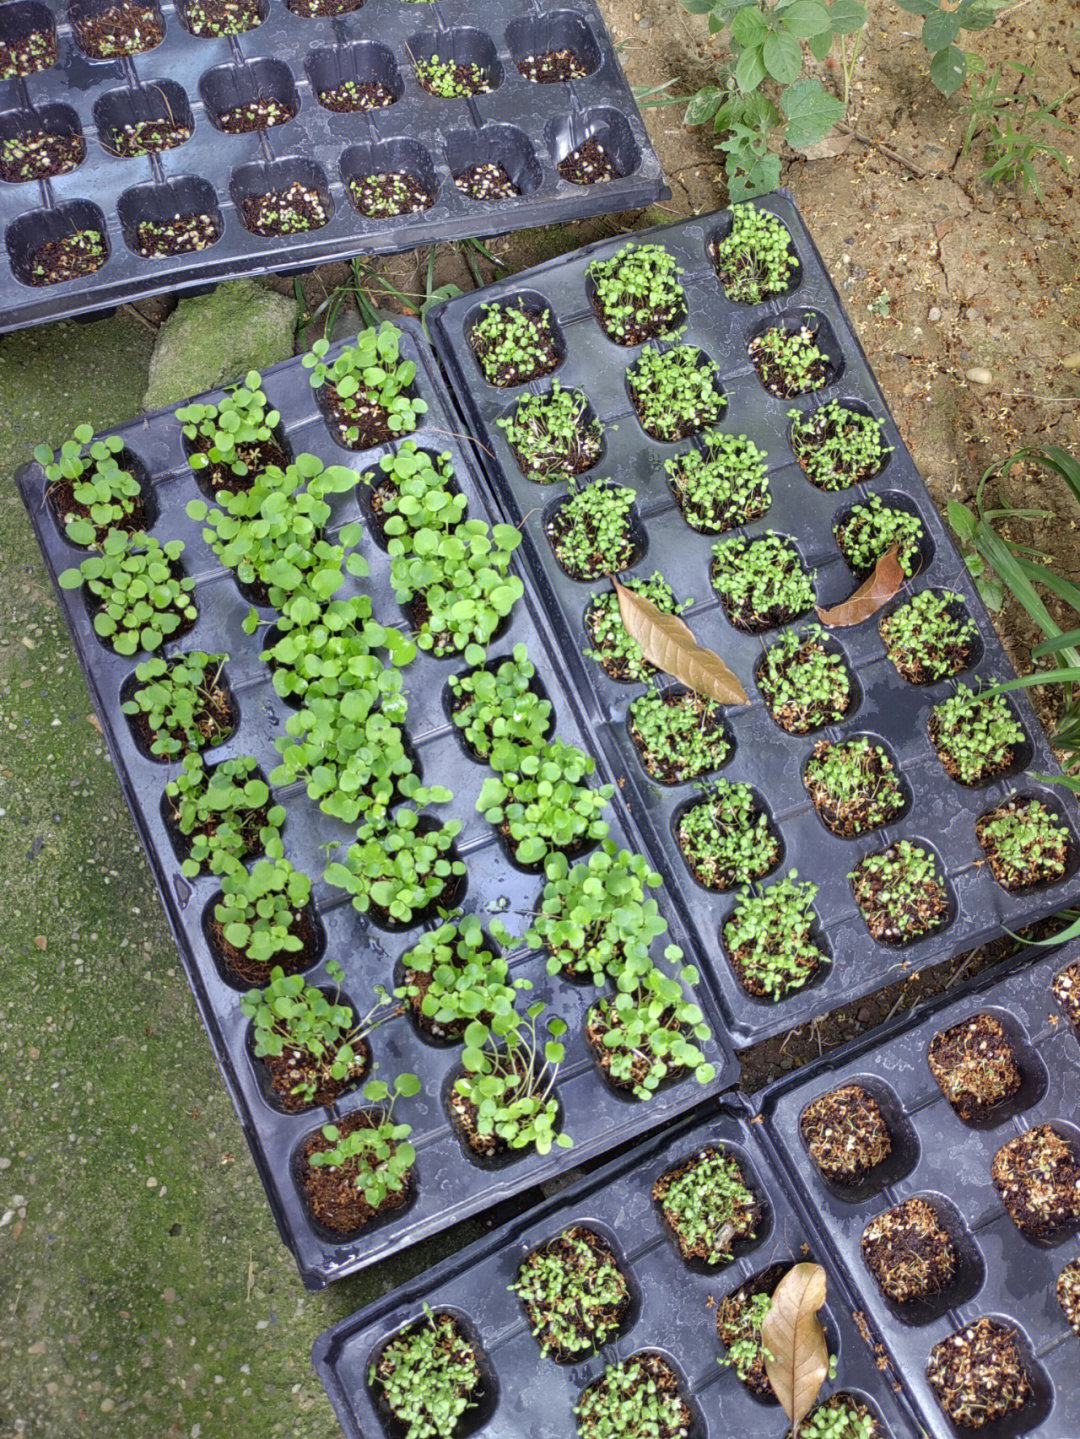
[1056, 645]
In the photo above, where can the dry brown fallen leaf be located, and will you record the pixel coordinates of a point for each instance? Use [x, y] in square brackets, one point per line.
[670, 645]
[834, 143]
[870, 596]
[792, 1334]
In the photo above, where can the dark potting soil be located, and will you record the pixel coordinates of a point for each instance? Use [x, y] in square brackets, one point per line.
[740, 1219]
[550, 67]
[512, 372]
[284, 212]
[381, 197]
[257, 455]
[221, 17]
[293, 1067]
[36, 154]
[974, 1064]
[356, 413]
[179, 236]
[259, 114]
[68, 257]
[1066, 988]
[846, 1134]
[895, 917]
[64, 505]
[420, 980]
[239, 966]
[27, 55]
[331, 1194]
[125, 29]
[1037, 1177]
[468, 79]
[877, 797]
[647, 324]
[312, 8]
[147, 137]
[909, 1253]
[486, 182]
[587, 165]
[355, 95]
[978, 1375]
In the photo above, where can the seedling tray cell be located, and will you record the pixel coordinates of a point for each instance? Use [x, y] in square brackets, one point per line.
[939, 815]
[671, 1309]
[940, 1156]
[526, 128]
[449, 1185]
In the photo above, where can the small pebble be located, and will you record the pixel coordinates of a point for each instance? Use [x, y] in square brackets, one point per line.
[978, 375]
[934, 315]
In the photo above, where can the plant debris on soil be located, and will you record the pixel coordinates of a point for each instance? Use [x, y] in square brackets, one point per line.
[284, 212]
[125, 29]
[738, 1326]
[1068, 1293]
[550, 67]
[147, 137]
[587, 165]
[1037, 1176]
[382, 197]
[975, 1066]
[221, 17]
[574, 1293]
[259, 114]
[1066, 988]
[331, 1192]
[311, 9]
[707, 1205]
[846, 1134]
[356, 95]
[26, 56]
[909, 1252]
[80, 253]
[488, 181]
[36, 154]
[178, 236]
[978, 1374]
[300, 1070]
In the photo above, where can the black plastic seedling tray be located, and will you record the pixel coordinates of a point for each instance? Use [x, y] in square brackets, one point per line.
[449, 1185]
[529, 1396]
[941, 814]
[937, 1156]
[527, 128]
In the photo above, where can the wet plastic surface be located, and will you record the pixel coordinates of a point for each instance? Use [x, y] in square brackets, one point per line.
[670, 1310]
[941, 814]
[938, 1156]
[528, 128]
[449, 1185]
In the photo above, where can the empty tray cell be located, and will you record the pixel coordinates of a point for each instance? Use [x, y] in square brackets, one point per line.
[554, 435]
[592, 146]
[1037, 1177]
[902, 892]
[858, 1138]
[855, 785]
[773, 940]
[155, 116]
[839, 444]
[675, 392]
[387, 178]
[495, 162]
[516, 341]
[595, 529]
[867, 530]
[1027, 843]
[930, 637]
[728, 837]
[576, 1294]
[175, 217]
[761, 582]
[281, 197]
[552, 48]
[27, 39]
[109, 29]
[642, 1395]
[982, 1376]
[207, 19]
[355, 1173]
[254, 96]
[37, 144]
[795, 353]
[432, 1369]
[316, 9]
[679, 735]
[454, 64]
[47, 247]
[753, 255]
[978, 1066]
[978, 738]
[806, 681]
[712, 1207]
[360, 76]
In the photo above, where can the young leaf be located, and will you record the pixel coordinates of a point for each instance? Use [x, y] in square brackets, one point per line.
[869, 597]
[948, 69]
[811, 113]
[792, 1336]
[667, 643]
